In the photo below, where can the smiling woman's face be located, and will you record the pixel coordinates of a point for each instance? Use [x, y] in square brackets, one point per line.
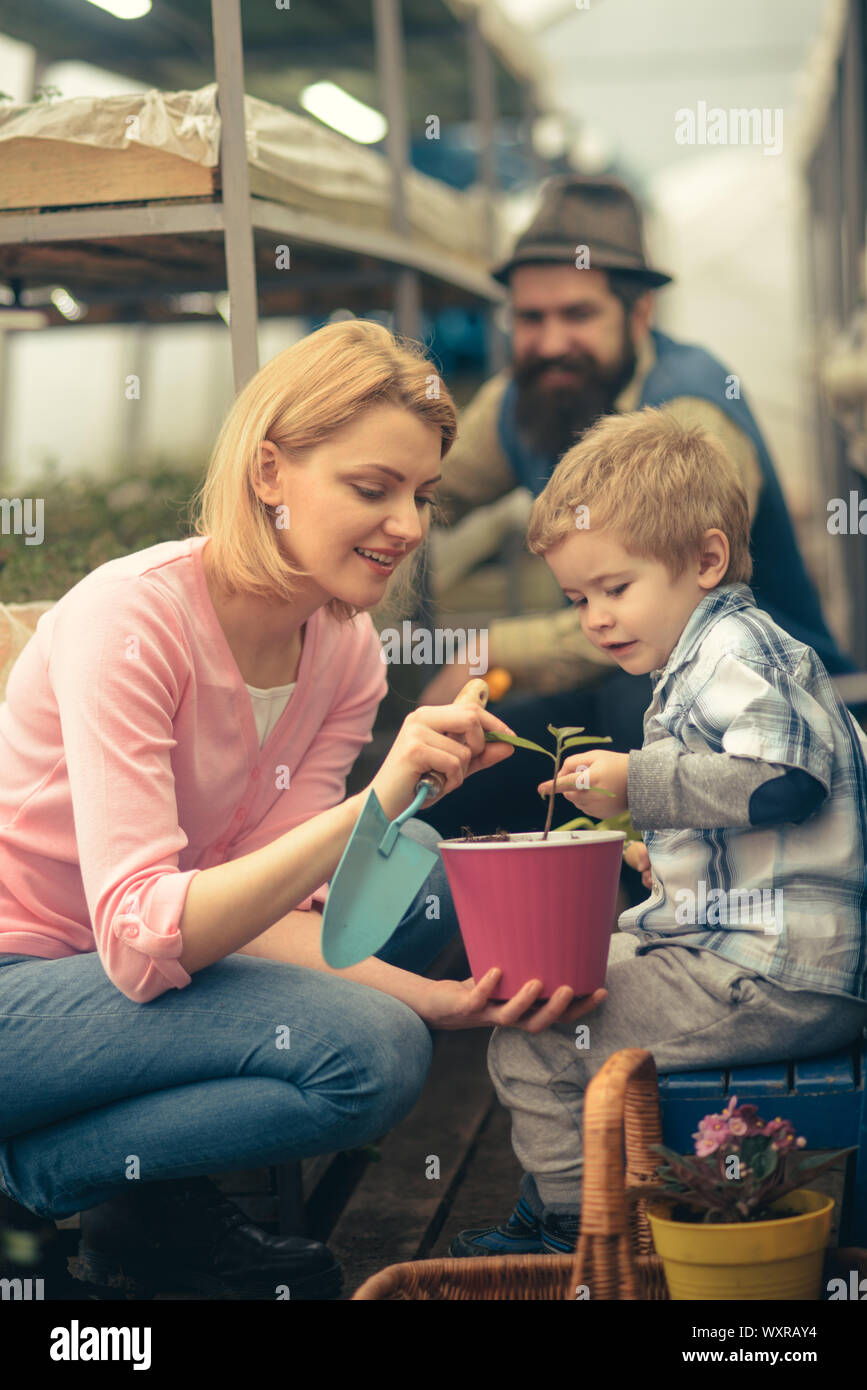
[340, 499]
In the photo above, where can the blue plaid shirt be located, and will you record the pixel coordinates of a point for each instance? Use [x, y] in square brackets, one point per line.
[736, 684]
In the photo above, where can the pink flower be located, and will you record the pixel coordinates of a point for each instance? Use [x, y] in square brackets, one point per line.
[783, 1133]
[719, 1136]
[750, 1114]
[713, 1131]
[735, 1123]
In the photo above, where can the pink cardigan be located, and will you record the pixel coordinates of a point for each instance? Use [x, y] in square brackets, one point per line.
[131, 761]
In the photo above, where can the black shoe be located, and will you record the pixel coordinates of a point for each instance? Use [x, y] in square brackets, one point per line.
[186, 1235]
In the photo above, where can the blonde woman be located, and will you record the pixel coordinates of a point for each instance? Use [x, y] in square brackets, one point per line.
[175, 744]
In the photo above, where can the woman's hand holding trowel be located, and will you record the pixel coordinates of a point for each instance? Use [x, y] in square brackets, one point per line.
[428, 742]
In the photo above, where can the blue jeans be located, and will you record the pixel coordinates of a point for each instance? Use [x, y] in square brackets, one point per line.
[201, 1080]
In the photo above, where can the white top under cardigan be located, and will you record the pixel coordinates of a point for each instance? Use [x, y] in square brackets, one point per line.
[268, 706]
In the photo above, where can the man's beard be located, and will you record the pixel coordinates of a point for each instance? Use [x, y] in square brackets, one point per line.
[551, 419]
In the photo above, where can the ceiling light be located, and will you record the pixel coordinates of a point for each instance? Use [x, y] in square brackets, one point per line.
[335, 107]
[548, 136]
[65, 304]
[124, 9]
[194, 302]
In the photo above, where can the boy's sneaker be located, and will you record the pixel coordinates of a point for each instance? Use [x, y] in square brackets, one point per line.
[520, 1235]
[560, 1232]
[525, 1233]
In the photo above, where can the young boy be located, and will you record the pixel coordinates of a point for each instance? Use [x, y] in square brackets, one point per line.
[750, 788]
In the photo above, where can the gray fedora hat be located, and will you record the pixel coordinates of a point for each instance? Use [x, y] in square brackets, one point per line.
[600, 214]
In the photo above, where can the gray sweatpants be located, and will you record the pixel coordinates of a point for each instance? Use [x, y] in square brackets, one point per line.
[690, 1008]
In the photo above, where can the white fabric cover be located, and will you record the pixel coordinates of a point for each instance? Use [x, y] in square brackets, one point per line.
[322, 172]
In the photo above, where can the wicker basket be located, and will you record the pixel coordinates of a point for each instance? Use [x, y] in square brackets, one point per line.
[614, 1257]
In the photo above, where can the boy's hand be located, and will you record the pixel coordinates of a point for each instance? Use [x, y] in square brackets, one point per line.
[595, 767]
[637, 857]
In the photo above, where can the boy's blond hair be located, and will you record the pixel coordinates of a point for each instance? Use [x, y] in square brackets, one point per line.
[653, 483]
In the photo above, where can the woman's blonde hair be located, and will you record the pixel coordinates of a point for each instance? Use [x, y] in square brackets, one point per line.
[298, 400]
[653, 483]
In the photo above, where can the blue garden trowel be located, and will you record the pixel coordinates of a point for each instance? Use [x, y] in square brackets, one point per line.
[380, 871]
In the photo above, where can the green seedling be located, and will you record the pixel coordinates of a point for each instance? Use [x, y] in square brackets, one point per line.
[567, 737]
[621, 822]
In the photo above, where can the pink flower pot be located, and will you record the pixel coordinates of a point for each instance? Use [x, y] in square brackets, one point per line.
[538, 909]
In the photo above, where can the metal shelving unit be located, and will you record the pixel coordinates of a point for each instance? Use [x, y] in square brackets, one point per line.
[341, 258]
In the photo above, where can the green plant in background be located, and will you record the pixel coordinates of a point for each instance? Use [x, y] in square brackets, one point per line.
[20, 1248]
[567, 737]
[44, 93]
[89, 521]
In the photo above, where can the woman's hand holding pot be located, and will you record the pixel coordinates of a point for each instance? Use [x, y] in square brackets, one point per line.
[428, 742]
[466, 1004]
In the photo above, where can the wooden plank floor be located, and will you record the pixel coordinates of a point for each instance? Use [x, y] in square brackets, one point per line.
[403, 1202]
[490, 1185]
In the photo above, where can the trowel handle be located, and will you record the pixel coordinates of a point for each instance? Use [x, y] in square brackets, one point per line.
[476, 691]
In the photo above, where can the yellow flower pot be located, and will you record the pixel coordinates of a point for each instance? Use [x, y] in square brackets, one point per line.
[776, 1259]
